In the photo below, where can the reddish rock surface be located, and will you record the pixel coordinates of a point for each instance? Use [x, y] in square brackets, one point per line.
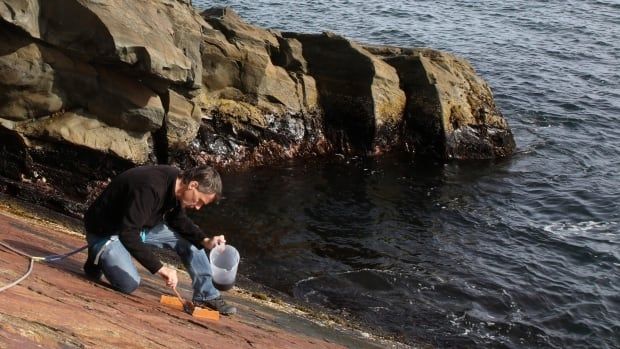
[57, 307]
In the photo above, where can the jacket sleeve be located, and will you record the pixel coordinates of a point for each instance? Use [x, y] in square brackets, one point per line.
[179, 222]
[139, 206]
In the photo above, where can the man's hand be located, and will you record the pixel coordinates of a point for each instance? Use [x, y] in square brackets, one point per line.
[169, 275]
[214, 241]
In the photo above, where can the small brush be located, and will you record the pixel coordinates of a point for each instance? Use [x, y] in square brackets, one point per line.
[188, 307]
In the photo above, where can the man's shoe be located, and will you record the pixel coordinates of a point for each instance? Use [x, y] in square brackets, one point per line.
[217, 304]
[91, 270]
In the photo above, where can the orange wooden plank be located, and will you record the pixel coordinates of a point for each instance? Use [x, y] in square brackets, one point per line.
[171, 302]
[200, 313]
[206, 314]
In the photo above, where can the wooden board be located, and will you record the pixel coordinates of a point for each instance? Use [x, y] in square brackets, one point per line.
[200, 313]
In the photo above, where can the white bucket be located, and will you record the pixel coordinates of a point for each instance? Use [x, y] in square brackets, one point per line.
[224, 263]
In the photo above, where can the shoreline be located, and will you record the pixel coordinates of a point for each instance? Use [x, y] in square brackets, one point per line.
[300, 318]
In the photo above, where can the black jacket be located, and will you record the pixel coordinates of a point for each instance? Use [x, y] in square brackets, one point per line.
[140, 198]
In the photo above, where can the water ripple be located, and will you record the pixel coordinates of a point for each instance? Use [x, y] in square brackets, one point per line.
[517, 253]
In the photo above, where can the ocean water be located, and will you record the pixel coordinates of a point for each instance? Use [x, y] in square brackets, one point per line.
[518, 253]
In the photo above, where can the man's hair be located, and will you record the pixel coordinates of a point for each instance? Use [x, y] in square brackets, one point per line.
[208, 179]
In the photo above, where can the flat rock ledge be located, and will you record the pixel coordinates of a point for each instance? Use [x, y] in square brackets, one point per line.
[90, 88]
[57, 307]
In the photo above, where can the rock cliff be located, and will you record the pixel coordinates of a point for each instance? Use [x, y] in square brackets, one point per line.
[89, 88]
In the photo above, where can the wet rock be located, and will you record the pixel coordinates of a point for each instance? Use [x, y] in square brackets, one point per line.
[360, 93]
[257, 103]
[61, 161]
[14, 157]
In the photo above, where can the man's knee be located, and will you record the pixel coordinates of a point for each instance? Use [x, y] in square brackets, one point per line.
[121, 280]
[127, 286]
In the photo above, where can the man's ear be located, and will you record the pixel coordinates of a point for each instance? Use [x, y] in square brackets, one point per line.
[193, 185]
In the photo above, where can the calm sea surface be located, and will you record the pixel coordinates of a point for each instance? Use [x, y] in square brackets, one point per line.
[518, 253]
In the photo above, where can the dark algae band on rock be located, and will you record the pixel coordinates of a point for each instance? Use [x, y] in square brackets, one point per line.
[147, 82]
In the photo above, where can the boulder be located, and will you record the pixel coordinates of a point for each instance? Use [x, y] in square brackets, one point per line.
[188, 29]
[450, 112]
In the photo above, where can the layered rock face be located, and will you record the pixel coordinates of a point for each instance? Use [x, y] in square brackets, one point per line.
[89, 88]
[450, 110]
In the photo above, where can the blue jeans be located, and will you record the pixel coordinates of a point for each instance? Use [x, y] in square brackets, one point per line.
[115, 261]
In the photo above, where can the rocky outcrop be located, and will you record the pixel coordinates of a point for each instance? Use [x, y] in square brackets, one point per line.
[450, 111]
[359, 93]
[143, 35]
[259, 104]
[89, 88]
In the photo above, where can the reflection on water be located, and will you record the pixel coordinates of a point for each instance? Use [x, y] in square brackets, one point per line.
[518, 253]
[439, 253]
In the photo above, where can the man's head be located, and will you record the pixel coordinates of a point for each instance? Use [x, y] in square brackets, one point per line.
[198, 186]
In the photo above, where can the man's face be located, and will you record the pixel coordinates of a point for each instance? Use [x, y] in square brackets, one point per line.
[194, 199]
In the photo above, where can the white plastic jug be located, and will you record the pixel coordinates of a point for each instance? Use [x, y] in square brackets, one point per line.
[224, 263]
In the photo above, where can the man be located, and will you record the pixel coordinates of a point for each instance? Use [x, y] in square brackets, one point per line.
[147, 205]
